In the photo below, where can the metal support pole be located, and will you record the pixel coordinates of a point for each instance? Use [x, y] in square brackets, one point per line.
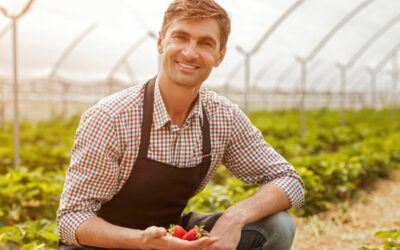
[395, 75]
[303, 85]
[14, 19]
[52, 93]
[373, 90]
[247, 56]
[64, 108]
[246, 82]
[15, 93]
[2, 105]
[343, 74]
[372, 74]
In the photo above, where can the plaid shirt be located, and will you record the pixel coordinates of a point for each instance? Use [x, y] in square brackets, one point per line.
[107, 144]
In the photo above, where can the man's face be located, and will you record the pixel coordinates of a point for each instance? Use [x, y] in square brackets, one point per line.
[190, 49]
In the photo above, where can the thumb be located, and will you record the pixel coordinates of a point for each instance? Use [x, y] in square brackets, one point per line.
[154, 232]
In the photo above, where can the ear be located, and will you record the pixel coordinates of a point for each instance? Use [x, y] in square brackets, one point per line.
[221, 56]
[160, 41]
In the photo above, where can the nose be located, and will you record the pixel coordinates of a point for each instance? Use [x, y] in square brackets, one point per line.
[190, 50]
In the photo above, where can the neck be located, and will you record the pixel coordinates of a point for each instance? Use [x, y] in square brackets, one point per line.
[179, 100]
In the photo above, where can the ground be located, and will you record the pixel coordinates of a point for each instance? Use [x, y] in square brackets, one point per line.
[352, 224]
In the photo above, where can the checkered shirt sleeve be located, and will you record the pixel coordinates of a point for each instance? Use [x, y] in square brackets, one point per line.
[92, 175]
[253, 160]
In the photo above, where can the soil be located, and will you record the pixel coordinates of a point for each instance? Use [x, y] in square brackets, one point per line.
[352, 224]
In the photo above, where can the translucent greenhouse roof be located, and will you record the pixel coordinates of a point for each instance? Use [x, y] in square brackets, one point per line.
[90, 41]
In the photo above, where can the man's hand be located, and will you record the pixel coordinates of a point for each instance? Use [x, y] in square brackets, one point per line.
[228, 232]
[157, 238]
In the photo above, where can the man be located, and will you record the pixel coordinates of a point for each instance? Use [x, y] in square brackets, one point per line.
[141, 154]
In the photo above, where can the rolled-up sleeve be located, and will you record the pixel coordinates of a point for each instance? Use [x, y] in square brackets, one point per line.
[92, 176]
[253, 160]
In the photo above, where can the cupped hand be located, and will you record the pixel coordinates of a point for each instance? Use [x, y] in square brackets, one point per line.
[157, 238]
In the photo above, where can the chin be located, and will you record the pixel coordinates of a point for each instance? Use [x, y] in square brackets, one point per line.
[187, 81]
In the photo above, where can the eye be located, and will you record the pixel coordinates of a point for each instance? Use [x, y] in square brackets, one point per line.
[179, 37]
[207, 43]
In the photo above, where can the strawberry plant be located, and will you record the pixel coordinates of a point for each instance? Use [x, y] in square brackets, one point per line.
[334, 162]
[29, 235]
[391, 240]
[29, 195]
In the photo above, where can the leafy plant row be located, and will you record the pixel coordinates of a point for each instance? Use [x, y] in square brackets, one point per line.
[45, 144]
[391, 240]
[333, 161]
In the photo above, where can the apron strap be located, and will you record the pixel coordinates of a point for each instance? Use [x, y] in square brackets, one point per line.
[205, 131]
[147, 118]
[147, 121]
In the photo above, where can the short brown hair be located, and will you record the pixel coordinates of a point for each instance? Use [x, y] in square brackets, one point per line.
[197, 10]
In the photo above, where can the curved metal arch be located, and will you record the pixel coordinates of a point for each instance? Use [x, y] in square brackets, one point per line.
[316, 67]
[330, 82]
[127, 53]
[321, 44]
[373, 71]
[23, 11]
[360, 72]
[361, 76]
[130, 72]
[386, 58]
[320, 77]
[275, 25]
[5, 30]
[232, 74]
[379, 33]
[70, 48]
[345, 67]
[263, 38]
[247, 54]
[283, 76]
[135, 14]
[261, 73]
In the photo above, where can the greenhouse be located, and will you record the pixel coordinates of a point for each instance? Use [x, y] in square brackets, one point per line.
[318, 78]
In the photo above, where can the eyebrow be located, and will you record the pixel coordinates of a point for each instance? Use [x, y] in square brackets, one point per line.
[204, 38]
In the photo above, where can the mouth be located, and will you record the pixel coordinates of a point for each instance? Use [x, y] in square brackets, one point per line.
[187, 67]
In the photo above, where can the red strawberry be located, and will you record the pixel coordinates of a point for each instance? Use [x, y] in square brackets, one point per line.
[195, 233]
[191, 235]
[176, 231]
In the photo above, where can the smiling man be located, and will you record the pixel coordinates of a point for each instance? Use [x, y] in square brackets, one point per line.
[140, 155]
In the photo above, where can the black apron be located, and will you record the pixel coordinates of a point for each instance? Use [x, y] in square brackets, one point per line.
[155, 193]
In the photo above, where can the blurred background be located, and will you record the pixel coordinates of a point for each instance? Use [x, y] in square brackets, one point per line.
[319, 78]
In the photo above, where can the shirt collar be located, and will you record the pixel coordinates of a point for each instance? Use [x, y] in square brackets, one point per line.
[160, 114]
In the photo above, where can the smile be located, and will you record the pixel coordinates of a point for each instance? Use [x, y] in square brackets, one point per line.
[187, 66]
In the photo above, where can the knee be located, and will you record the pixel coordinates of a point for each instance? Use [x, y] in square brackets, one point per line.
[282, 225]
[278, 229]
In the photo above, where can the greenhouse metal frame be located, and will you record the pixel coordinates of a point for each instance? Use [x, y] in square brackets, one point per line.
[282, 54]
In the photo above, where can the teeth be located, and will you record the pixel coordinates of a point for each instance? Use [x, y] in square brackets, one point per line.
[187, 66]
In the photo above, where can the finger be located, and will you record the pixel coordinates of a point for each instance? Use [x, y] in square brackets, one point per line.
[207, 241]
[155, 232]
[162, 231]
